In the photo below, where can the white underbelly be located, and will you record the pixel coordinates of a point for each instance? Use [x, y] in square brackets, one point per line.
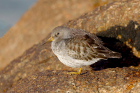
[75, 63]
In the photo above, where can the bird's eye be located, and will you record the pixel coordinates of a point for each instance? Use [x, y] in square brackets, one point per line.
[57, 34]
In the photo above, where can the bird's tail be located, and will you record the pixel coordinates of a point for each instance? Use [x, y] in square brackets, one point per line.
[115, 55]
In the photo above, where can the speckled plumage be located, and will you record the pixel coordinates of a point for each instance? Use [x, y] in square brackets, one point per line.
[77, 48]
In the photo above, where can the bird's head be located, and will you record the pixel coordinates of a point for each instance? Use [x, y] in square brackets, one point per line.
[60, 33]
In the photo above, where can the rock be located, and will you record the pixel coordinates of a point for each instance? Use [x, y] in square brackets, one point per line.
[105, 81]
[39, 70]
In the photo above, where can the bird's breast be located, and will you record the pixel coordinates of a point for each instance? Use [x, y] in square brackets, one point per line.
[58, 47]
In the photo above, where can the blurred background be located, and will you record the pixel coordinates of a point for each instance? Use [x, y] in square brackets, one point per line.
[24, 23]
[11, 11]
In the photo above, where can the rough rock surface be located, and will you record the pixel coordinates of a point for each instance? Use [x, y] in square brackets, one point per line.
[39, 70]
[106, 81]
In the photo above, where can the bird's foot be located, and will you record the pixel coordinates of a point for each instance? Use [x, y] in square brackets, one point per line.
[74, 73]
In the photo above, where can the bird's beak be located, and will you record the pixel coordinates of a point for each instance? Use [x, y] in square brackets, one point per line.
[49, 40]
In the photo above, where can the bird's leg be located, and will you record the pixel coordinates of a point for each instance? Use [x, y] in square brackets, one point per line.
[79, 72]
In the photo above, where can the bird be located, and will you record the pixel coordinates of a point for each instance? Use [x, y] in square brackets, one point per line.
[77, 48]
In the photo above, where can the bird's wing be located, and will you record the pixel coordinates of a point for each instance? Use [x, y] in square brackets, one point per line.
[87, 48]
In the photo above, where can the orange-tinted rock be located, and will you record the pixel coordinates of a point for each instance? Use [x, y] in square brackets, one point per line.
[39, 70]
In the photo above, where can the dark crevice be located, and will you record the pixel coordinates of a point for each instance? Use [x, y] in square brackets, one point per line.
[109, 40]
